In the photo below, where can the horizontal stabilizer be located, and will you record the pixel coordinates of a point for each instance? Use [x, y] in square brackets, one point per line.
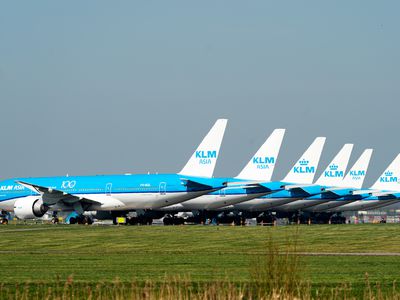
[386, 194]
[297, 186]
[199, 184]
[270, 185]
[337, 192]
[330, 195]
[305, 191]
[273, 185]
[363, 192]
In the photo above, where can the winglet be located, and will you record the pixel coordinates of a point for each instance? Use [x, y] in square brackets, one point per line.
[204, 159]
[262, 164]
[389, 180]
[334, 173]
[303, 171]
[355, 177]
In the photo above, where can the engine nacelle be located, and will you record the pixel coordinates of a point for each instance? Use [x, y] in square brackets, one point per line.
[30, 208]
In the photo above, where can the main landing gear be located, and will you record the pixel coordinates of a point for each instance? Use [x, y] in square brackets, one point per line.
[83, 220]
[3, 218]
[55, 219]
[75, 218]
[173, 220]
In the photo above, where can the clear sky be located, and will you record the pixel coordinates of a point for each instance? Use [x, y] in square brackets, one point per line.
[91, 87]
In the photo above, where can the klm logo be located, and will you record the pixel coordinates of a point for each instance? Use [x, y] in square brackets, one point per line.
[12, 188]
[263, 162]
[333, 172]
[388, 177]
[357, 175]
[304, 167]
[6, 188]
[205, 156]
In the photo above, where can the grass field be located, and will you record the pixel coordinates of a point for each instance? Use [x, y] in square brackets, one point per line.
[330, 255]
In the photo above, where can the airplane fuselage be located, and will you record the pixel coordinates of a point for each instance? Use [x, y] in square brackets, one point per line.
[113, 192]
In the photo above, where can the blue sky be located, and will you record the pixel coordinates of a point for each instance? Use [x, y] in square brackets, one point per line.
[92, 87]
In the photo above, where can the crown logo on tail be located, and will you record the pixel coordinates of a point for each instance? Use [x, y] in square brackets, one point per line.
[388, 174]
[304, 162]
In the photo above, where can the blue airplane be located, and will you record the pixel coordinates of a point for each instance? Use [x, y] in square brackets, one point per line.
[333, 184]
[385, 191]
[252, 182]
[297, 184]
[342, 192]
[31, 198]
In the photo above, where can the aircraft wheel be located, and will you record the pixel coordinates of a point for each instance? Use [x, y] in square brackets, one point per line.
[143, 221]
[72, 220]
[55, 220]
[4, 221]
[86, 220]
[133, 221]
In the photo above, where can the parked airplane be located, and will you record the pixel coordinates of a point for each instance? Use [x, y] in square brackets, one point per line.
[385, 191]
[300, 175]
[342, 193]
[33, 197]
[252, 182]
[331, 182]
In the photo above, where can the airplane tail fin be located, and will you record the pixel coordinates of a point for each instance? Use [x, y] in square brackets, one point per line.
[203, 160]
[389, 180]
[355, 177]
[262, 164]
[334, 173]
[303, 171]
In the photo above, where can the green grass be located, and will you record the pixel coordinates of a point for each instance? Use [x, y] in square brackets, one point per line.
[40, 253]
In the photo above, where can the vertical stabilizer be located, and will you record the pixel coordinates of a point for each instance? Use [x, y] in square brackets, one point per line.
[262, 164]
[389, 180]
[204, 159]
[355, 177]
[334, 173]
[303, 171]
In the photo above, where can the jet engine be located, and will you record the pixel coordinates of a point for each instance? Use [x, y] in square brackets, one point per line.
[30, 208]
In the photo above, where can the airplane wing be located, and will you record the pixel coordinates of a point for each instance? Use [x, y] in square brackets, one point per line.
[52, 196]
